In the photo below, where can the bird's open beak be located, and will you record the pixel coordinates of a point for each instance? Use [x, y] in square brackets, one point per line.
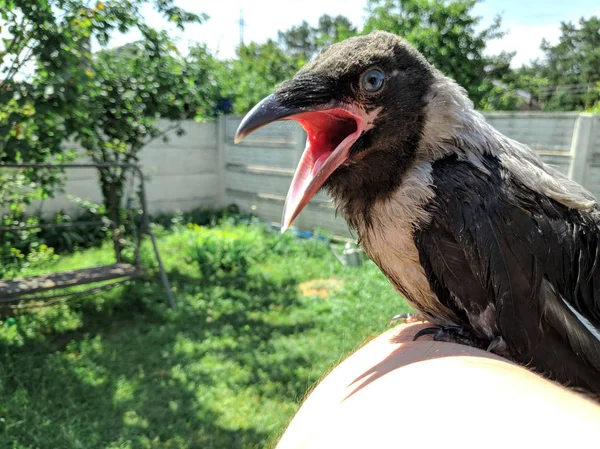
[331, 129]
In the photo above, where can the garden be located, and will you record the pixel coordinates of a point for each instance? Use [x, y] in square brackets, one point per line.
[261, 317]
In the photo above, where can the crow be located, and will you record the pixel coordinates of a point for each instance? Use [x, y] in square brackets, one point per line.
[495, 248]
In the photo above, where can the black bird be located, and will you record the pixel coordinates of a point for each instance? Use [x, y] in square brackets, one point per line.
[480, 236]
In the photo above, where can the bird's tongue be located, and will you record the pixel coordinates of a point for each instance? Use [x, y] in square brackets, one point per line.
[330, 133]
[320, 161]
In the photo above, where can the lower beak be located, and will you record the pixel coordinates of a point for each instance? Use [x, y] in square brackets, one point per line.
[331, 131]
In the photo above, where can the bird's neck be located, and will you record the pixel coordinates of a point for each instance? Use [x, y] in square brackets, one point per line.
[355, 188]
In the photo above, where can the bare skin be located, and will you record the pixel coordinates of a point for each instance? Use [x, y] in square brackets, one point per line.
[394, 392]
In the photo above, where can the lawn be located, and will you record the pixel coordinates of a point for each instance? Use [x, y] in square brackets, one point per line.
[261, 318]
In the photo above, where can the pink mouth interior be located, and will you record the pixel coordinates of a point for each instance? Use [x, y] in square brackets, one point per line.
[330, 133]
[325, 131]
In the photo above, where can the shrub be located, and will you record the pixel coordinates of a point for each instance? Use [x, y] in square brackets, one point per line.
[202, 216]
[69, 239]
[27, 248]
[219, 255]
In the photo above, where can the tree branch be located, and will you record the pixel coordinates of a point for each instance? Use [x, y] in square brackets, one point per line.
[18, 64]
[170, 128]
[18, 40]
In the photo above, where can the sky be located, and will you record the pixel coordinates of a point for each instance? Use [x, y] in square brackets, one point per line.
[527, 22]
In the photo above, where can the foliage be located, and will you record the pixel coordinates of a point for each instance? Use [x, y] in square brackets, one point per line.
[228, 369]
[254, 74]
[73, 238]
[23, 252]
[572, 67]
[304, 41]
[27, 248]
[50, 96]
[595, 109]
[447, 33]
[299, 40]
[201, 216]
[202, 75]
[131, 87]
[259, 68]
[566, 79]
[517, 90]
[44, 74]
[222, 255]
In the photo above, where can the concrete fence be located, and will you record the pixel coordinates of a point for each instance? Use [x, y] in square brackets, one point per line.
[181, 174]
[204, 167]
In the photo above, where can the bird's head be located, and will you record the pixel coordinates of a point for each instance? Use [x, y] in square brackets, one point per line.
[362, 104]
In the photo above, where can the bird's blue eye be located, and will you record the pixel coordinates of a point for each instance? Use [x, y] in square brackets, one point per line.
[372, 81]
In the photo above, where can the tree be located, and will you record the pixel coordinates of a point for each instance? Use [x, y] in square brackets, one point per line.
[44, 66]
[129, 88]
[299, 41]
[304, 41]
[572, 67]
[254, 74]
[333, 29]
[515, 91]
[202, 72]
[132, 86]
[47, 82]
[446, 32]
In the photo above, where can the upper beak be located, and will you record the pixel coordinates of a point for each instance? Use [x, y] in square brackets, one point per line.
[267, 111]
[331, 128]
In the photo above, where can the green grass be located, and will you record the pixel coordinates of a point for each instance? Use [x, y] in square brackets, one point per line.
[228, 369]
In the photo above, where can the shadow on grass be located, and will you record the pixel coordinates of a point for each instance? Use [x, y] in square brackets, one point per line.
[249, 315]
[136, 374]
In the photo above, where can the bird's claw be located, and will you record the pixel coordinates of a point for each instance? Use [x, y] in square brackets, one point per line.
[408, 318]
[497, 345]
[452, 334]
[427, 331]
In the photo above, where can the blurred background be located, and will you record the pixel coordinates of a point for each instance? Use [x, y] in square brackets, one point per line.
[147, 297]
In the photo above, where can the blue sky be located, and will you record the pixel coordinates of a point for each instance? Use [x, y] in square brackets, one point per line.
[526, 21]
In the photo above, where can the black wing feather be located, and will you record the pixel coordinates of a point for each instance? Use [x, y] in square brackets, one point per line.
[492, 242]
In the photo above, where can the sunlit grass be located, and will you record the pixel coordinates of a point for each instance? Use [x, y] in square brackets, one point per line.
[228, 369]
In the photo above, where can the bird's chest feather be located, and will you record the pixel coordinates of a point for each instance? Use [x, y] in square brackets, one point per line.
[387, 237]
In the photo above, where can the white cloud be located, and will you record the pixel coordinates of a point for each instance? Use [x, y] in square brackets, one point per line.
[525, 40]
[263, 19]
[525, 30]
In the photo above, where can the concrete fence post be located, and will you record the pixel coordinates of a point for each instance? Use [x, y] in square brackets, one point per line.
[581, 147]
[221, 161]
